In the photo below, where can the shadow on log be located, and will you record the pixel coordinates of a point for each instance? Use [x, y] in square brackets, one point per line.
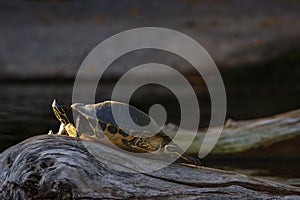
[59, 167]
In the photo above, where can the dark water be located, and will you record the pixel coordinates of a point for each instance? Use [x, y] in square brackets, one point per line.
[25, 110]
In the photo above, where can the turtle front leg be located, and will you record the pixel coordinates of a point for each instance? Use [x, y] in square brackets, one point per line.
[68, 130]
[61, 130]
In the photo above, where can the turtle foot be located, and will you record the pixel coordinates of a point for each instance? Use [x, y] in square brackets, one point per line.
[195, 161]
[191, 160]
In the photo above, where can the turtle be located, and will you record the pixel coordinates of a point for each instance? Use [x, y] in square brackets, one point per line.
[96, 122]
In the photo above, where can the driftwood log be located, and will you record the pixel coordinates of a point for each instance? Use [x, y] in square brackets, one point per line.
[274, 137]
[59, 167]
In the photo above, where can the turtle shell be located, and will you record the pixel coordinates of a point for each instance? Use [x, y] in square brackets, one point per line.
[114, 114]
[138, 134]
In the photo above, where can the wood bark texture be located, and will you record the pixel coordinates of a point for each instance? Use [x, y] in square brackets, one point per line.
[274, 137]
[59, 167]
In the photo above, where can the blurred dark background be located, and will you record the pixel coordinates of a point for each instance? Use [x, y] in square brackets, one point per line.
[255, 44]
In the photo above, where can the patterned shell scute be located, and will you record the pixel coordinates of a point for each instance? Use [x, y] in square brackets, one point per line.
[104, 114]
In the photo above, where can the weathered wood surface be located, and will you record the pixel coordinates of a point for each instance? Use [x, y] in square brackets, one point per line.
[276, 136]
[59, 167]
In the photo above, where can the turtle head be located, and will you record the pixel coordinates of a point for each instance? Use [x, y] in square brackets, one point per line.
[61, 111]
